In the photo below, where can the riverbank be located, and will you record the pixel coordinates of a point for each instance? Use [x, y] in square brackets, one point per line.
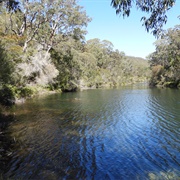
[39, 92]
[10, 95]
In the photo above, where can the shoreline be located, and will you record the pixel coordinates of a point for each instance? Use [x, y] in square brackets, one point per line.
[39, 91]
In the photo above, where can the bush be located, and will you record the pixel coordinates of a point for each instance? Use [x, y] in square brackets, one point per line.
[8, 95]
[26, 92]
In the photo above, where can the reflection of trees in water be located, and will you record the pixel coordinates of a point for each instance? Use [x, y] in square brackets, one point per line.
[42, 147]
[6, 142]
[91, 135]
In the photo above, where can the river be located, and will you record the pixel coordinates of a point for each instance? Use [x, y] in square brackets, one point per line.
[123, 133]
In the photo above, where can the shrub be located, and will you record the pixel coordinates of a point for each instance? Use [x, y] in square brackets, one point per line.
[8, 95]
[26, 92]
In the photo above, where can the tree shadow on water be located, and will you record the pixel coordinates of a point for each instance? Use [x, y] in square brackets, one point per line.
[6, 143]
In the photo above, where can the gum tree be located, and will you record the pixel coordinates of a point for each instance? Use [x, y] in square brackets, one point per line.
[45, 21]
[165, 61]
[156, 9]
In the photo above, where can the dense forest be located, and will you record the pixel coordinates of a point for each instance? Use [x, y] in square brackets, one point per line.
[43, 46]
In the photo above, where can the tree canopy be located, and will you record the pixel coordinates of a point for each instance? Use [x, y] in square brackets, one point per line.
[156, 9]
[44, 21]
[154, 21]
[11, 5]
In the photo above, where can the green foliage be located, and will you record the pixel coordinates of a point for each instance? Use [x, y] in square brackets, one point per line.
[26, 92]
[95, 64]
[43, 45]
[64, 57]
[6, 67]
[165, 61]
[7, 94]
[45, 22]
[156, 9]
[10, 54]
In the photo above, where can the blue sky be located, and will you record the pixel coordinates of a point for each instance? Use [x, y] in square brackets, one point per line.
[127, 34]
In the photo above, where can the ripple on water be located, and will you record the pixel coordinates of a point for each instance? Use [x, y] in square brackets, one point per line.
[97, 134]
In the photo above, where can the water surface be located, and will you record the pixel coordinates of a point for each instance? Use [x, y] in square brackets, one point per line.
[125, 133]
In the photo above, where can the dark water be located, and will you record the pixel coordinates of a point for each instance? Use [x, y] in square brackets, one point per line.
[127, 133]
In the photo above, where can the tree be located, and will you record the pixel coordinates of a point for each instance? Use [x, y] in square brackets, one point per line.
[165, 61]
[11, 5]
[10, 55]
[156, 8]
[37, 27]
[47, 21]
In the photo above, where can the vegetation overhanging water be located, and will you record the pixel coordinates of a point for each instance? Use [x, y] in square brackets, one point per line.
[126, 133]
[43, 45]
